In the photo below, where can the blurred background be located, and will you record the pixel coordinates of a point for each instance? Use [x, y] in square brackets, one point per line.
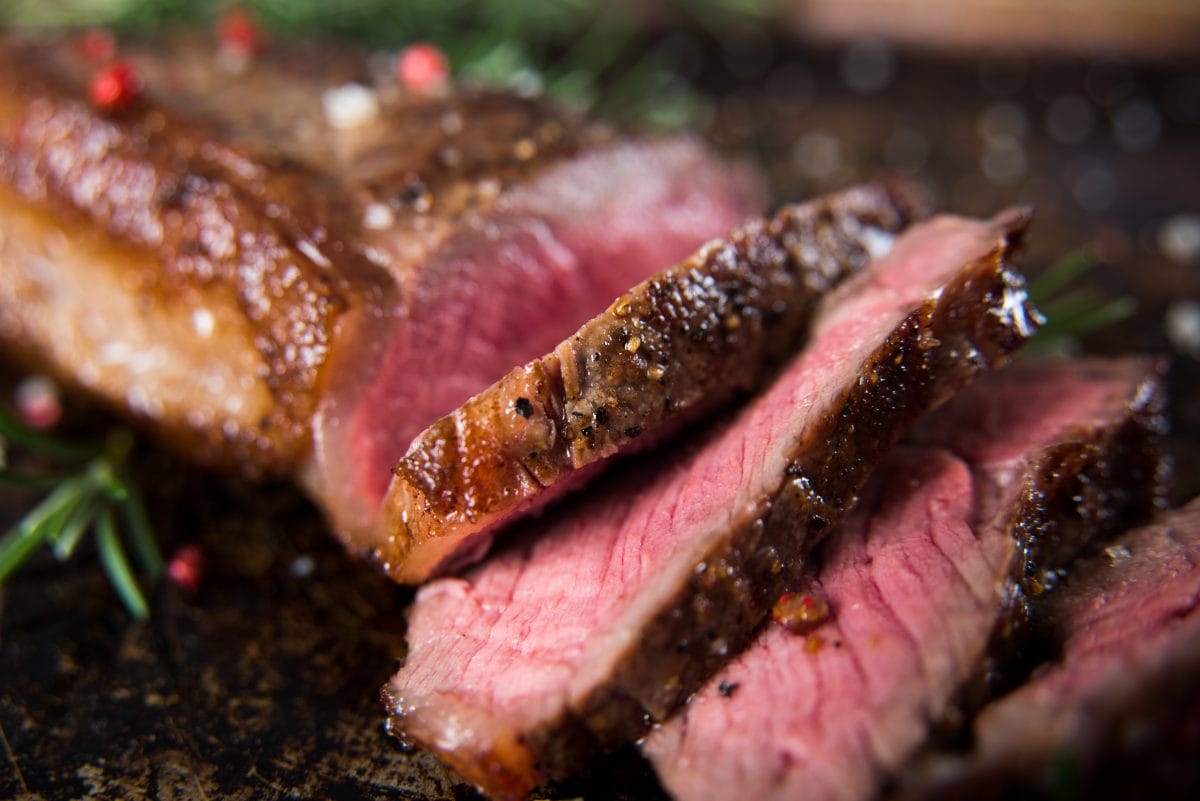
[253, 685]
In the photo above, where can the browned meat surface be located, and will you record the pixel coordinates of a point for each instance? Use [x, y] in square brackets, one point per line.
[1115, 715]
[275, 272]
[140, 260]
[604, 617]
[916, 581]
[674, 346]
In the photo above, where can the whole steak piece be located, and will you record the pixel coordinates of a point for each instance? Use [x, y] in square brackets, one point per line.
[916, 583]
[296, 267]
[606, 615]
[670, 349]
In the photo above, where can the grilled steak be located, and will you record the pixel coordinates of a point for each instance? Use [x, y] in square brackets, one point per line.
[605, 616]
[917, 579]
[1115, 716]
[272, 281]
[678, 344]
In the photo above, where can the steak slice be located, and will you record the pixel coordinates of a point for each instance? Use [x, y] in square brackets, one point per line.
[917, 580]
[675, 345]
[1117, 714]
[266, 286]
[606, 615]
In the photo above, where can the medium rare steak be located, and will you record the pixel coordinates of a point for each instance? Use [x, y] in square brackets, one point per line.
[917, 580]
[1117, 715]
[606, 615]
[298, 266]
[675, 345]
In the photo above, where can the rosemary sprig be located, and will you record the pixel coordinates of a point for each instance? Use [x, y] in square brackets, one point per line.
[88, 486]
[1071, 310]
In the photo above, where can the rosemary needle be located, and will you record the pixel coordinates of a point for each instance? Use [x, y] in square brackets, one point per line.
[37, 526]
[77, 522]
[1068, 269]
[141, 535]
[112, 555]
[1071, 310]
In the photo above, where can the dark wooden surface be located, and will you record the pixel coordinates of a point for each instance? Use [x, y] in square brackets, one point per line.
[264, 682]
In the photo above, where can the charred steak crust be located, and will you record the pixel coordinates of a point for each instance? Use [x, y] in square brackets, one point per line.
[1087, 480]
[685, 631]
[1113, 713]
[937, 349]
[671, 347]
[152, 197]
[1096, 481]
[207, 176]
[154, 180]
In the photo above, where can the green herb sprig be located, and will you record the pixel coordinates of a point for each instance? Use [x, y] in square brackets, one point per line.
[1072, 309]
[88, 490]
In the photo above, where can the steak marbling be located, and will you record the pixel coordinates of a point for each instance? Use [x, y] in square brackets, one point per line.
[675, 346]
[919, 579]
[608, 614]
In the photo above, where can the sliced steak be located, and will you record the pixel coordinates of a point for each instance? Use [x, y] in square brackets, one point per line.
[675, 345]
[277, 272]
[1118, 714]
[605, 616]
[916, 581]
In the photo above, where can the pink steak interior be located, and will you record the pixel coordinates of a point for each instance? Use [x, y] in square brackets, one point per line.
[507, 287]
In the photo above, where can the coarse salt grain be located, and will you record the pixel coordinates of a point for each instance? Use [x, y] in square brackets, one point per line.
[350, 105]
[203, 322]
[377, 217]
